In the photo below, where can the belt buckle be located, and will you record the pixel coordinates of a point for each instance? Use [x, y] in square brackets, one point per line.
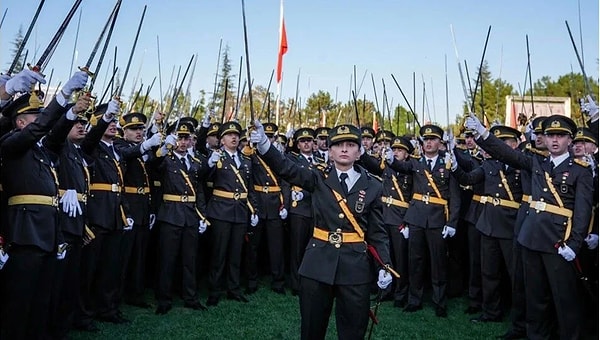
[266, 189]
[185, 198]
[55, 201]
[483, 199]
[495, 201]
[540, 206]
[114, 188]
[425, 198]
[335, 238]
[84, 198]
[388, 200]
[236, 196]
[141, 191]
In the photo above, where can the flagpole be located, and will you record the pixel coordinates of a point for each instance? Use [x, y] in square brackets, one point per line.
[282, 49]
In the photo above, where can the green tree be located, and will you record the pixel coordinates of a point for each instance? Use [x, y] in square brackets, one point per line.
[225, 77]
[492, 103]
[15, 47]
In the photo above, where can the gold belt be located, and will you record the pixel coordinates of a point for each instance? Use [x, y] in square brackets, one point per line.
[226, 194]
[499, 201]
[551, 208]
[34, 199]
[267, 189]
[526, 198]
[105, 187]
[336, 237]
[137, 190]
[392, 201]
[179, 198]
[476, 198]
[80, 197]
[429, 199]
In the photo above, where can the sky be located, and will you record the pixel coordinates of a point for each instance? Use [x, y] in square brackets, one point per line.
[326, 40]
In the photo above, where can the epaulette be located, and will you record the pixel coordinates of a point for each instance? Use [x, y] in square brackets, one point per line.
[374, 176]
[196, 159]
[582, 163]
[415, 156]
[245, 156]
[247, 151]
[295, 154]
[530, 148]
[461, 147]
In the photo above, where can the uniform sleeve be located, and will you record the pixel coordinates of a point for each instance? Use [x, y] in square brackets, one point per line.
[469, 178]
[504, 153]
[289, 170]
[371, 164]
[376, 234]
[582, 213]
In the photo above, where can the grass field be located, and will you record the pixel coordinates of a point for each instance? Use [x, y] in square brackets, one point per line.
[272, 316]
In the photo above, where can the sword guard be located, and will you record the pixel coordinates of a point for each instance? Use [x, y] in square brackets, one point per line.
[35, 68]
[86, 70]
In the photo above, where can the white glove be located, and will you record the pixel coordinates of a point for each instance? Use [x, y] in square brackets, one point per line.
[254, 220]
[70, 204]
[202, 225]
[566, 252]
[214, 158]
[150, 142]
[389, 156]
[23, 81]
[279, 147]
[258, 137]
[405, 231]
[289, 133]
[297, 195]
[77, 82]
[283, 213]
[4, 78]
[206, 119]
[451, 141]
[151, 221]
[3, 258]
[473, 123]
[448, 231]
[591, 107]
[62, 251]
[129, 225]
[171, 140]
[112, 110]
[384, 279]
[592, 241]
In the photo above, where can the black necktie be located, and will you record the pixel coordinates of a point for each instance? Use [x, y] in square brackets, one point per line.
[309, 160]
[235, 161]
[112, 152]
[429, 164]
[182, 159]
[343, 177]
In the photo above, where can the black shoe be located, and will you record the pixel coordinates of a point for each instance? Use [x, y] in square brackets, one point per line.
[280, 291]
[195, 306]
[140, 304]
[412, 308]
[87, 327]
[441, 312]
[236, 297]
[399, 303]
[472, 310]
[162, 310]
[512, 334]
[250, 290]
[114, 318]
[212, 301]
[484, 318]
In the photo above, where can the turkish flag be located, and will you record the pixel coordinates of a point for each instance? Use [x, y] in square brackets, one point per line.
[283, 46]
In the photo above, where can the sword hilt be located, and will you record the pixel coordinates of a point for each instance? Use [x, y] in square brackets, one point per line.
[86, 70]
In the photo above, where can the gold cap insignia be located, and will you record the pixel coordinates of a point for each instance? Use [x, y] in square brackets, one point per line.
[555, 124]
[268, 128]
[183, 127]
[343, 129]
[232, 126]
[428, 130]
[580, 133]
[496, 132]
[305, 133]
[135, 120]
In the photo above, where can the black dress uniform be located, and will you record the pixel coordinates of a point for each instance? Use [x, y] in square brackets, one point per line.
[435, 204]
[336, 262]
[228, 210]
[179, 215]
[397, 191]
[559, 213]
[32, 233]
[501, 200]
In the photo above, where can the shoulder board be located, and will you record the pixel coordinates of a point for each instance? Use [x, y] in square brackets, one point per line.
[582, 163]
[374, 155]
[293, 153]
[245, 156]
[196, 159]
[415, 156]
[374, 176]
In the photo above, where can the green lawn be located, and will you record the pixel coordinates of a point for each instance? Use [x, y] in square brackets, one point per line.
[272, 316]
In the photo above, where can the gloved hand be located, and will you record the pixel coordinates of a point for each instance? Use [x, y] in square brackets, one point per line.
[283, 213]
[389, 156]
[592, 241]
[70, 204]
[151, 142]
[113, 109]
[297, 195]
[404, 231]
[254, 220]
[450, 158]
[151, 221]
[23, 81]
[384, 279]
[3, 258]
[171, 140]
[215, 156]
[448, 231]
[206, 119]
[566, 252]
[77, 82]
[202, 225]
[61, 252]
[258, 137]
[473, 123]
[129, 225]
[591, 107]
[289, 133]
[451, 141]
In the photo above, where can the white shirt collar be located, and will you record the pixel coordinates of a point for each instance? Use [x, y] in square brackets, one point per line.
[558, 160]
[353, 176]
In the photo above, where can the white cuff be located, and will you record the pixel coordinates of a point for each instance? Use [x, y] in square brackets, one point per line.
[71, 115]
[60, 98]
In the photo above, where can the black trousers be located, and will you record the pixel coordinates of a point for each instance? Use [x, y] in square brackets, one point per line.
[474, 292]
[26, 291]
[301, 229]
[421, 243]
[173, 241]
[496, 254]
[518, 306]
[351, 309]
[274, 230]
[134, 250]
[399, 251]
[227, 242]
[551, 295]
